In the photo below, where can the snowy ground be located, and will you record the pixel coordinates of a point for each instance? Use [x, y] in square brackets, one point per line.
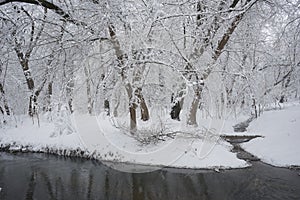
[98, 138]
[27, 133]
[281, 130]
[181, 152]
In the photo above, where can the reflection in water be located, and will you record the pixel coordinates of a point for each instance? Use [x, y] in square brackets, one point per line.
[39, 176]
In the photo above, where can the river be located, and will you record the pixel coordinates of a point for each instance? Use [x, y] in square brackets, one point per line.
[42, 176]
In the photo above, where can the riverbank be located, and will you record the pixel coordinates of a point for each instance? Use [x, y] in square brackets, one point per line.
[280, 145]
[98, 138]
[175, 153]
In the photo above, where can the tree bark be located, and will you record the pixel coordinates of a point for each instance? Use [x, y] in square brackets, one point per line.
[192, 118]
[143, 105]
[107, 107]
[32, 109]
[48, 107]
[5, 104]
[177, 106]
[133, 124]
[132, 109]
[88, 90]
[69, 95]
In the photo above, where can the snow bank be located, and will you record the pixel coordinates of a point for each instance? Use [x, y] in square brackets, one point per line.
[281, 144]
[99, 139]
[98, 134]
[38, 137]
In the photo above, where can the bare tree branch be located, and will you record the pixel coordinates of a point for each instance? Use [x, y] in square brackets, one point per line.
[49, 5]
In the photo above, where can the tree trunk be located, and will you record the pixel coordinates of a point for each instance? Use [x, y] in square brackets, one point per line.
[5, 104]
[88, 90]
[254, 107]
[30, 86]
[107, 107]
[177, 106]
[132, 111]
[192, 117]
[144, 110]
[106, 101]
[69, 95]
[29, 80]
[6, 107]
[32, 109]
[175, 111]
[143, 105]
[48, 107]
[116, 106]
[132, 108]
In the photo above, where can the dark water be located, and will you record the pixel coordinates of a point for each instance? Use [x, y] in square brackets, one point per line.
[40, 176]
